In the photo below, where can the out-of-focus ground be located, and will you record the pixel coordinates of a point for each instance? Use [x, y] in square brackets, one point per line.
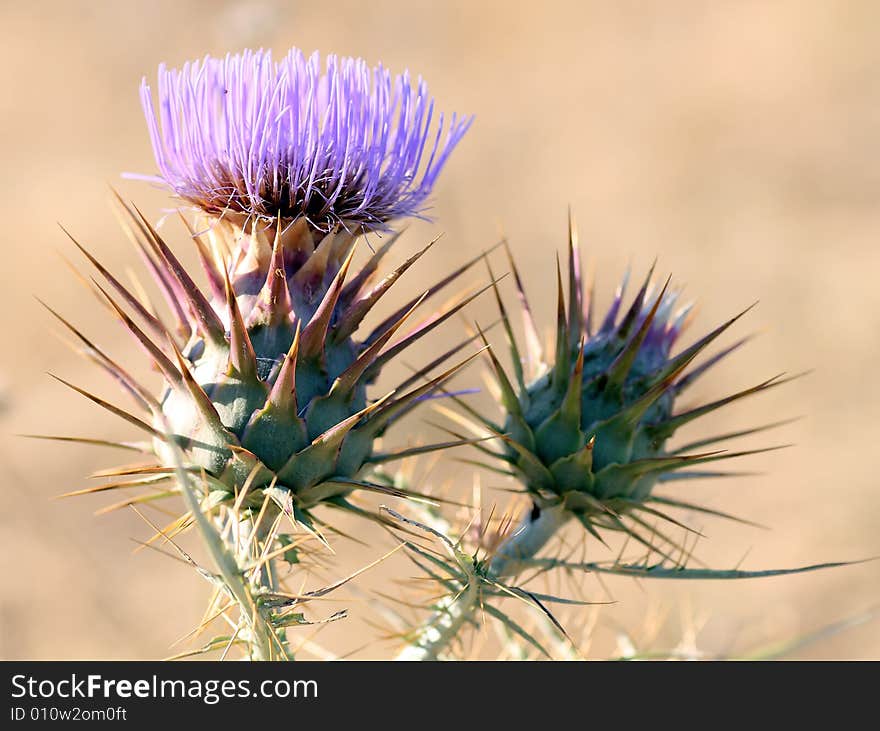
[738, 142]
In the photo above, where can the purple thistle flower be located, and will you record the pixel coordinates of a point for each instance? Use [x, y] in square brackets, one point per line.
[248, 135]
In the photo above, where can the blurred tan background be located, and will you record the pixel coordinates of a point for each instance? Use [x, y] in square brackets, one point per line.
[739, 142]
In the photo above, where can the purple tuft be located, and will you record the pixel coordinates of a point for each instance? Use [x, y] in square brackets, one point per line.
[249, 135]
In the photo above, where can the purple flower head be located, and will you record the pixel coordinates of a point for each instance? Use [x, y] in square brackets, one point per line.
[248, 135]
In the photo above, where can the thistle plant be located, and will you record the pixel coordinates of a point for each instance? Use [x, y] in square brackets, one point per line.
[267, 418]
[584, 430]
[288, 167]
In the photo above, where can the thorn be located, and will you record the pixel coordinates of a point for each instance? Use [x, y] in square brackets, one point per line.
[241, 351]
[283, 392]
[638, 304]
[149, 347]
[133, 302]
[533, 340]
[215, 278]
[275, 295]
[422, 330]
[314, 334]
[442, 284]
[209, 323]
[144, 398]
[354, 314]
[345, 383]
[131, 419]
[621, 366]
[575, 284]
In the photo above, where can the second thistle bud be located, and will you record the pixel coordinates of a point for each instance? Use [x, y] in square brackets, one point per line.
[588, 434]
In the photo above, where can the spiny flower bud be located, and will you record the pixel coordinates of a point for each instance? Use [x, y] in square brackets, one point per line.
[587, 433]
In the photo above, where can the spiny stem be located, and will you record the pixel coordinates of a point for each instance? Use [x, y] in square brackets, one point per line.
[453, 612]
[242, 535]
[443, 627]
[259, 639]
[260, 632]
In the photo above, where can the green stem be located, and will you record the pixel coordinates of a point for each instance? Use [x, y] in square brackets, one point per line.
[533, 533]
[436, 635]
[527, 540]
[259, 635]
[266, 580]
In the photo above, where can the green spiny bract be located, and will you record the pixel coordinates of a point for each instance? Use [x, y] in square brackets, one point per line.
[266, 381]
[589, 431]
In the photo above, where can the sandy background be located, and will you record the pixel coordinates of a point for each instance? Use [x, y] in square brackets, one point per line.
[737, 141]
